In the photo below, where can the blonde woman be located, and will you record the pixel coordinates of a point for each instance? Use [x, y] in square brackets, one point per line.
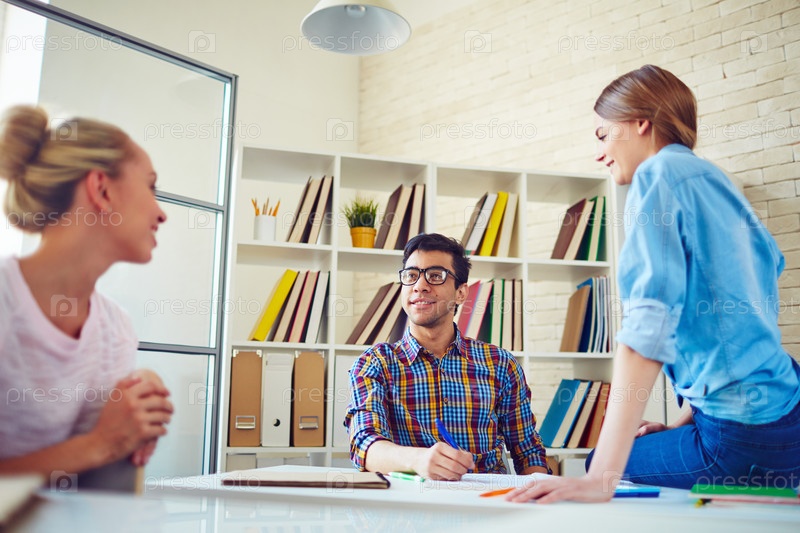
[71, 400]
[698, 277]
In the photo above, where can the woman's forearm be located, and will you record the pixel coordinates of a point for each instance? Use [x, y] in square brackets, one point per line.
[633, 378]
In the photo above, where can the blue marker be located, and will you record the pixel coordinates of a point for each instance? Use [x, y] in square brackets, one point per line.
[445, 435]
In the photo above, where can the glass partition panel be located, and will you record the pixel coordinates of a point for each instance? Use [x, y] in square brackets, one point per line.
[181, 451]
[173, 299]
[176, 115]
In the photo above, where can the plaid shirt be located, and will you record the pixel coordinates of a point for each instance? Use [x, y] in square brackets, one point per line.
[477, 389]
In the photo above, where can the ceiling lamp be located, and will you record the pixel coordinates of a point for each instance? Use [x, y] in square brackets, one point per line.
[365, 28]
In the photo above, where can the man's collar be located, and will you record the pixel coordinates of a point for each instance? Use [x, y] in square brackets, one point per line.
[410, 348]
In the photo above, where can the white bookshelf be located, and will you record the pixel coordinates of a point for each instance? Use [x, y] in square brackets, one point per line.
[450, 194]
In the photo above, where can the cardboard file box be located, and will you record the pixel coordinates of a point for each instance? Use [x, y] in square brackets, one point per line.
[244, 418]
[276, 419]
[308, 420]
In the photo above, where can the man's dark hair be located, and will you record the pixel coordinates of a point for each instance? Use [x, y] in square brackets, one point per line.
[436, 242]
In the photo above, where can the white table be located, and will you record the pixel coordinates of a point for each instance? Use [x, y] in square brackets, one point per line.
[202, 504]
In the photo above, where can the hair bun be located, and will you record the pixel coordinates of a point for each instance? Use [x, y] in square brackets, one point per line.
[24, 130]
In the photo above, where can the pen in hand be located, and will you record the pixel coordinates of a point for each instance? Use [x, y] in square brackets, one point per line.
[446, 435]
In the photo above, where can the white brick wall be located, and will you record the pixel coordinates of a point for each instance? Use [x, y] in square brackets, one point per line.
[543, 63]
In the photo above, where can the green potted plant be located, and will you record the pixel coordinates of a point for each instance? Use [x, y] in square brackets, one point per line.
[361, 216]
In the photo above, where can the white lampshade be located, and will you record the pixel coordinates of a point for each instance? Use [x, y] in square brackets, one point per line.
[364, 28]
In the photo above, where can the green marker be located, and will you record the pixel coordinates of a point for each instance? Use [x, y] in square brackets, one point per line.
[407, 476]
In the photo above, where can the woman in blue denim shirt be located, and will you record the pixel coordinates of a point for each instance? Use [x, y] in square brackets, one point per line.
[698, 278]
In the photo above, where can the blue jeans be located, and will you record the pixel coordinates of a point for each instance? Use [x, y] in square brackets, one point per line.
[720, 452]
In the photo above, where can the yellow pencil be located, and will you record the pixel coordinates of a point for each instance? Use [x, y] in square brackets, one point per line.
[275, 209]
[255, 205]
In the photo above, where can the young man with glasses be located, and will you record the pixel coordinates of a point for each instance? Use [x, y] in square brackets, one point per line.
[475, 390]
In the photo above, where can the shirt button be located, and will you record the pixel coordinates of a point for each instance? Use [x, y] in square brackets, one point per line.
[445, 400]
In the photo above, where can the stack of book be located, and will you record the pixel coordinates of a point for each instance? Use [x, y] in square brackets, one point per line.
[575, 415]
[582, 234]
[314, 206]
[404, 217]
[588, 326]
[294, 310]
[491, 224]
[492, 313]
[384, 319]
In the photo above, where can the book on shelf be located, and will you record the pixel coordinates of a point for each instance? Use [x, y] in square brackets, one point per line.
[396, 219]
[369, 313]
[508, 318]
[502, 247]
[573, 226]
[582, 423]
[517, 320]
[300, 225]
[496, 317]
[417, 212]
[588, 323]
[303, 307]
[493, 226]
[388, 216]
[482, 217]
[464, 311]
[473, 218]
[594, 236]
[376, 319]
[588, 331]
[317, 308]
[282, 331]
[562, 400]
[592, 433]
[563, 412]
[273, 306]
[321, 209]
[393, 319]
[576, 315]
[480, 311]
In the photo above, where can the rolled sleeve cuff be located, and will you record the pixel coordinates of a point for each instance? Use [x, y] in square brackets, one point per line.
[359, 445]
[648, 327]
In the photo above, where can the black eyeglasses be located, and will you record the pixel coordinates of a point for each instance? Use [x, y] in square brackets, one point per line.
[435, 275]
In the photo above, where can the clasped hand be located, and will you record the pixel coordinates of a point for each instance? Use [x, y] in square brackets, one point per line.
[134, 418]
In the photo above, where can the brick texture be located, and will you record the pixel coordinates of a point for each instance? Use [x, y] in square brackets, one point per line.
[491, 65]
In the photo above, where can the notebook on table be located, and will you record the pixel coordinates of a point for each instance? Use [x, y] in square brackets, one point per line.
[15, 492]
[330, 480]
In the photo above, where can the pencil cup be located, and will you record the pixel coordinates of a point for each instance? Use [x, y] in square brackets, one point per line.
[264, 228]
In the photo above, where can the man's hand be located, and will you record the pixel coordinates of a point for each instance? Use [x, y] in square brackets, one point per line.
[442, 462]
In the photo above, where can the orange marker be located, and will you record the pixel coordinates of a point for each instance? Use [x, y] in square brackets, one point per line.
[497, 492]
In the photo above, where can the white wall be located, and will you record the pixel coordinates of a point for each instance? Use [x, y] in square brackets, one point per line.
[290, 95]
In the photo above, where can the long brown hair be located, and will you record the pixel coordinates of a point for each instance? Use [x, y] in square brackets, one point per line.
[654, 94]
